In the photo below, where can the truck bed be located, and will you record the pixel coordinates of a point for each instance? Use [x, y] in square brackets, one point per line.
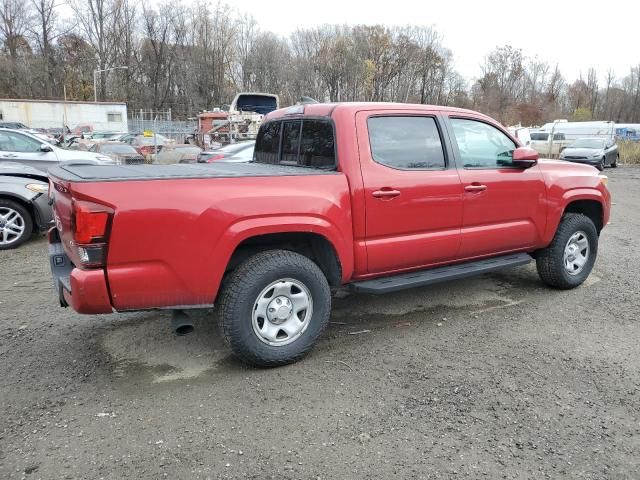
[79, 173]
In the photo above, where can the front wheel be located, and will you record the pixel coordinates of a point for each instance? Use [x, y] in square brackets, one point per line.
[274, 307]
[568, 261]
[16, 225]
[615, 162]
[601, 164]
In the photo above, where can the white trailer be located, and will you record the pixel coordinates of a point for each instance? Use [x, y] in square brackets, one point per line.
[109, 116]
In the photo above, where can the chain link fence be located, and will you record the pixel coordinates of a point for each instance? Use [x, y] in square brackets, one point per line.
[160, 122]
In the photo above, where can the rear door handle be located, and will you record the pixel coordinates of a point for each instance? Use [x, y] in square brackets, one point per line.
[9, 155]
[386, 193]
[475, 187]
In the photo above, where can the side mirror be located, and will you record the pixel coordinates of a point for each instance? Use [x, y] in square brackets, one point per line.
[525, 157]
[46, 148]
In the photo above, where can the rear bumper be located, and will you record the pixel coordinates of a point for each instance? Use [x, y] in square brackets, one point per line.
[84, 290]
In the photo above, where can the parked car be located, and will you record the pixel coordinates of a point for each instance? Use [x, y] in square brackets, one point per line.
[121, 153]
[130, 137]
[24, 204]
[380, 197]
[147, 146]
[27, 149]
[56, 131]
[82, 129]
[242, 151]
[598, 152]
[540, 143]
[177, 153]
[105, 135]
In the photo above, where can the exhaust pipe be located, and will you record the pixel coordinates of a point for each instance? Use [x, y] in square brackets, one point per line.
[181, 323]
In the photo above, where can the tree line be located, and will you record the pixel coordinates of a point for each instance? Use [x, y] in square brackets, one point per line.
[192, 58]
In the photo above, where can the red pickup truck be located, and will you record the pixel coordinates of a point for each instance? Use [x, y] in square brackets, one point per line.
[378, 196]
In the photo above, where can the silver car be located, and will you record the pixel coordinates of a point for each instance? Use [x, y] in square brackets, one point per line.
[596, 152]
[24, 204]
[27, 149]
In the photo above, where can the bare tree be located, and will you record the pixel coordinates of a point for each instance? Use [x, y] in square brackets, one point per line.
[15, 19]
[98, 20]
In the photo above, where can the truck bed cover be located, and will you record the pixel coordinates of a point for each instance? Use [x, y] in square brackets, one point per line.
[116, 173]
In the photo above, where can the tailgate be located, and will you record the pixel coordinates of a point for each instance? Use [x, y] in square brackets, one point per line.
[62, 205]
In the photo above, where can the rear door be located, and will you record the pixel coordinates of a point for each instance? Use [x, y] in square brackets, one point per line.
[15, 147]
[504, 206]
[413, 194]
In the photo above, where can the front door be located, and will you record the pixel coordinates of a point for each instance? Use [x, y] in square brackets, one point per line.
[23, 149]
[504, 206]
[413, 195]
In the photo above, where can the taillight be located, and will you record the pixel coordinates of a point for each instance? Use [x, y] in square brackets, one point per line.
[216, 157]
[90, 224]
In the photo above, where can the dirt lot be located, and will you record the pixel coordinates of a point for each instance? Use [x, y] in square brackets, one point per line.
[494, 377]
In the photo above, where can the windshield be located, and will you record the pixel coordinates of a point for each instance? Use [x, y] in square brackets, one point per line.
[124, 148]
[588, 143]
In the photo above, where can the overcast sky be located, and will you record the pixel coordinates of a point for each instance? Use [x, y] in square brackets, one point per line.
[575, 34]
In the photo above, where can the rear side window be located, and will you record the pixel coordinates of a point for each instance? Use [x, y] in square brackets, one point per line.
[267, 147]
[408, 143]
[305, 143]
[316, 146]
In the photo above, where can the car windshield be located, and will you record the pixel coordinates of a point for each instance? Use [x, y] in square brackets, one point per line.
[588, 143]
[117, 148]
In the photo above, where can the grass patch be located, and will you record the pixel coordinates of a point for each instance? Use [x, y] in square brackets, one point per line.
[629, 152]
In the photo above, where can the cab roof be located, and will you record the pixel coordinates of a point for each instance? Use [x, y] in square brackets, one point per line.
[329, 109]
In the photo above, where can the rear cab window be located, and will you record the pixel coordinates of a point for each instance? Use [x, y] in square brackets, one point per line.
[300, 142]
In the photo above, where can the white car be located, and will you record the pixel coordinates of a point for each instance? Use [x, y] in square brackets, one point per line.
[27, 149]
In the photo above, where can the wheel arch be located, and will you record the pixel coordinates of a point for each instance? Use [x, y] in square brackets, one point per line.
[312, 245]
[587, 201]
[590, 208]
[26, 204]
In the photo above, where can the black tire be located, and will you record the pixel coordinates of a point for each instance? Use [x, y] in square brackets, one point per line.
[26, 222]
[601, 164]
[615, 162]
[550, 260]
[241, 291]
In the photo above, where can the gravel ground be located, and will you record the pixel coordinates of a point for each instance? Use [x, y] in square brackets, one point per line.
[493, 377]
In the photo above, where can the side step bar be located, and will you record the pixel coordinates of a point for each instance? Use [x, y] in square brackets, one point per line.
[440, 274]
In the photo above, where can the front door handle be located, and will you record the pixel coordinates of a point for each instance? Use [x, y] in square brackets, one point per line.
[475, 187]
[9, 155]
[386, 193]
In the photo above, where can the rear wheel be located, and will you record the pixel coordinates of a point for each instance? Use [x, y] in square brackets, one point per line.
[568, 261]
[274, 307]
[16, 224]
